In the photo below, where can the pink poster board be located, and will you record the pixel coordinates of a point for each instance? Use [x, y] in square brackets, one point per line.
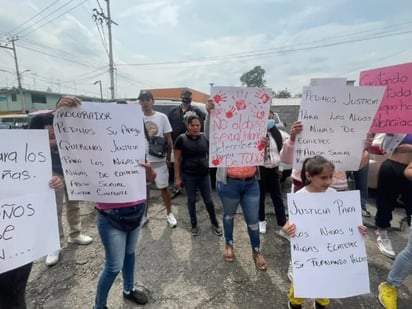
[395, 112]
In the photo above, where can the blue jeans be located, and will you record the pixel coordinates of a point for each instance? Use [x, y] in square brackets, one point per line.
[245, 192]
[119, 248]
[402, 267]
[191, 183]
[361, 183]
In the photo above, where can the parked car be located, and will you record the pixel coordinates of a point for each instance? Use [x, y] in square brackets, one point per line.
[5, 126]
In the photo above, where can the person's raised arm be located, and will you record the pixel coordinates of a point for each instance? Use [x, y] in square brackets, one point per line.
[286, 153]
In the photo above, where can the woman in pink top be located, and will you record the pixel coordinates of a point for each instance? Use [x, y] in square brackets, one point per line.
[119, 244]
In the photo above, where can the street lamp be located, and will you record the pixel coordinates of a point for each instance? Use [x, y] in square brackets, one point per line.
[101, 91]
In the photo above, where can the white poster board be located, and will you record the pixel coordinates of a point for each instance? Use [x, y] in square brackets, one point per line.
[328, 250]
[28, 225]
[101, 146]
[329, 81]
[237, 124]
[335, 123]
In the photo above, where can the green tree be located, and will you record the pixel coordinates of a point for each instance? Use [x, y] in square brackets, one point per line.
[283, 94]
[254, 77]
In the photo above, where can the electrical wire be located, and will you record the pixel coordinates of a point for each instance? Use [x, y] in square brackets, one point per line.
[48, 22]
[31, 18]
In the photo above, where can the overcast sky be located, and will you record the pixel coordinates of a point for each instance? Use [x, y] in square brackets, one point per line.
[192, 43]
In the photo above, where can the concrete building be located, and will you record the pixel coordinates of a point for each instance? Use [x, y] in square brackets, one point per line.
[13, 100]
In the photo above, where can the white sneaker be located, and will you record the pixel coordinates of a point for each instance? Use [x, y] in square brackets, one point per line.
[53, 258]
[80, 240]
[171, 220]
[283, 234]
[262, 227]
[290, 272]
[385, 245]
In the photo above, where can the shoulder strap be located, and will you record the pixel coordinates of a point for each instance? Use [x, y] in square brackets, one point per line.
[146, 133]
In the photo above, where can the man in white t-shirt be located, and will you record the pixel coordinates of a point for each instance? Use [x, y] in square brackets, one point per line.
[157, 124]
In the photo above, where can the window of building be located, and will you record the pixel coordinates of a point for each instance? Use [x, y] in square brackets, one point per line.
[13, 97]
[38, 98]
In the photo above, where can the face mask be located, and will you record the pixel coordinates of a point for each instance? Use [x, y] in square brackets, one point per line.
[271, 123]
[187, 100]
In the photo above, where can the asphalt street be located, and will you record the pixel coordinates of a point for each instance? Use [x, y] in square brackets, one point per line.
[178, 270]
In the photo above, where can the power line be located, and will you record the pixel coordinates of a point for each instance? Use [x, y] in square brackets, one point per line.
[31, 18]
[54, 56]
[268, 52]
[48, 22]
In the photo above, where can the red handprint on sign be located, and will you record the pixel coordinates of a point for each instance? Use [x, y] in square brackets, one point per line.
[219, 98]
[258, 113]
[260, 146]
[231, 112]
[217, 160]
[260, 94]
[240, 99]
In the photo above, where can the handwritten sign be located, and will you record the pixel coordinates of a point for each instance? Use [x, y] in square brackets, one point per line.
[28, 225]
[336, 121]
[328, 250]
[101, 147]
[395, 112]
[237, 124]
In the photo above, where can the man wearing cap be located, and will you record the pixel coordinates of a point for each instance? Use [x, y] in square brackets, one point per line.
[157, 124]
[177, 114]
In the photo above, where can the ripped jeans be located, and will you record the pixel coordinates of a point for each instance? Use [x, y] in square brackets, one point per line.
[245, 193]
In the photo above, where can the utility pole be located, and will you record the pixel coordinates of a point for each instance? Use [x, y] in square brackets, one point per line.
[19, 87]
[101, 90]
[109, 23]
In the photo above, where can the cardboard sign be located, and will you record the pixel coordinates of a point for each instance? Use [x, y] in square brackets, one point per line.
[328, 250]
[237, 124]
[28, 225]
[101, 147]
[395, 112]
[336, 121]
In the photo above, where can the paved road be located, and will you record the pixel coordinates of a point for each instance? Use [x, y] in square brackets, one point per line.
[181, 271]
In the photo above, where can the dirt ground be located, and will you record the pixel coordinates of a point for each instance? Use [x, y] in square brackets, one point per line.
[180, 271]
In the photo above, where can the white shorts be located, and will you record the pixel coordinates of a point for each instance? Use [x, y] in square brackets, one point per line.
[162, 174]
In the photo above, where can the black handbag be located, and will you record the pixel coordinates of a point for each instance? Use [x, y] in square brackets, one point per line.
[157, 146]
[125, 219]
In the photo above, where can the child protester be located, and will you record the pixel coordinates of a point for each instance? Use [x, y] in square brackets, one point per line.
[317, 176]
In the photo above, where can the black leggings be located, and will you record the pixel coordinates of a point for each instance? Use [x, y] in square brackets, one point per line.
[13, 287]
[270, 181]
[392, 183]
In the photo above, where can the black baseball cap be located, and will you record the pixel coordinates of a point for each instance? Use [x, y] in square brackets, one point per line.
[145, 95]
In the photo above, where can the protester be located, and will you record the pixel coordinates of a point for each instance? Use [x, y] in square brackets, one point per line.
[317, 176]
[176, 119]
[191, 152]
[118, 225]
[13, 282]
[239, 185]
[401, 268]
[270, 178]
[392, 183]
[45, 121]
[157, 124]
